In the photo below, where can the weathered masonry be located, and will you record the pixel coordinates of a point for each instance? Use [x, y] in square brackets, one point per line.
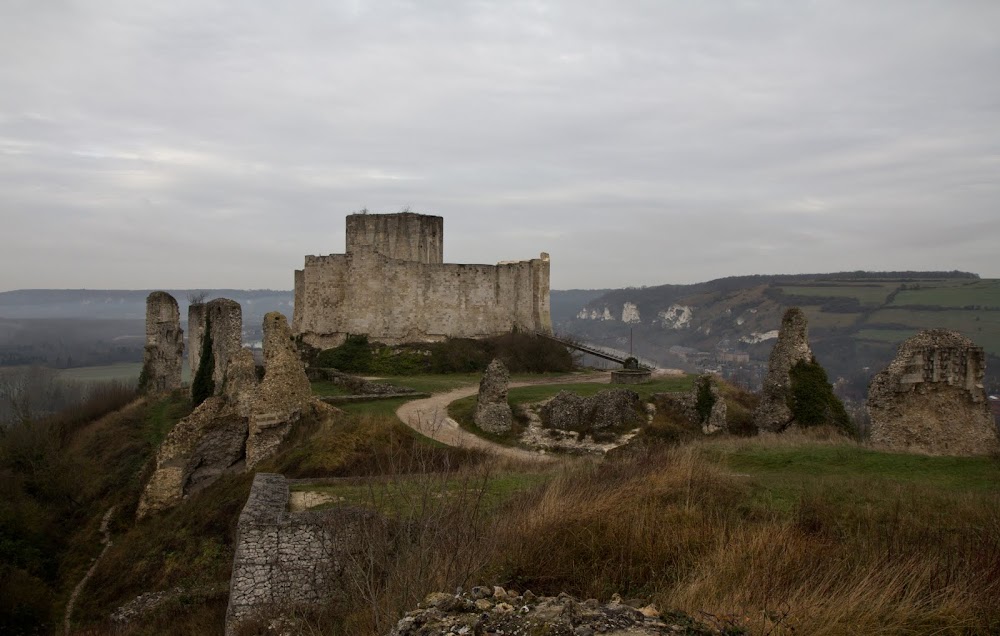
[393, 285]
[284, 560]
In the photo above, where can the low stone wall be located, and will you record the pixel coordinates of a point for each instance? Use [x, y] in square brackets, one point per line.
[374, 397]
[630, 376]
[286, 559]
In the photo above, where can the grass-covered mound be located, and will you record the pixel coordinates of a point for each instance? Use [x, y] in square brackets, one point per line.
[520, 352]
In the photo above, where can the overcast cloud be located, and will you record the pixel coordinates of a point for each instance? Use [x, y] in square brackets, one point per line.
[201, 143]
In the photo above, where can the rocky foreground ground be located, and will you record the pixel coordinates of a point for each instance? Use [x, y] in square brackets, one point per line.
[494, 611]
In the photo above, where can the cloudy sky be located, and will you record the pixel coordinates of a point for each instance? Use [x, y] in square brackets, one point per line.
[206, 143]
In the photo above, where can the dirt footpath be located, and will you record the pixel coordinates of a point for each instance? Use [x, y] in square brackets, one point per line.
[429, 416]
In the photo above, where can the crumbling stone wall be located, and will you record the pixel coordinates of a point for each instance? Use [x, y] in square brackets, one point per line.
[164, 351]
[386, 286]
[610, 409]
[284, 559]
[282, 396]
[931, 397]
[687, 404]
[773, 413]
[205, 444]
[493, 413]
[226, 319]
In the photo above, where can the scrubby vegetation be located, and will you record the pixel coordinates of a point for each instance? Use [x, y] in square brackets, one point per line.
[812, 400]
[203, 384]
[778, 535]
[56, 475]
[521, 353]
[802, 533]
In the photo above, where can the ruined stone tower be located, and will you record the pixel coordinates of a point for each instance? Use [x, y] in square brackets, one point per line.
[404, 237]
[931, 397]
[773, 413]
[393, 285]
[226, 319]
[164, 351]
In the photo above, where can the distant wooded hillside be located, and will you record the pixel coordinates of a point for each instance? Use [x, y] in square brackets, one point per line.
[856, 319]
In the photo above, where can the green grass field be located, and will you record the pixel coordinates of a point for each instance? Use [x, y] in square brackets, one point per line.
[886, 335]
[983, 293]
[124, 371]
[827, 320]
[440, 383]
[853, 474]
[407, 495]
[867, 294]
[526, 394]
[983, 327]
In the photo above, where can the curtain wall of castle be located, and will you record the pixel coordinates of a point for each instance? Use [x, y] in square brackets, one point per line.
[392, 286]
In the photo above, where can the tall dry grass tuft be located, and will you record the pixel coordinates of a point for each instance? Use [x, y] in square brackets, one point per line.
[630, 526]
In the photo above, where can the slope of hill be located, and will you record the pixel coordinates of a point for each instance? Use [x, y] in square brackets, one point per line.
[856, 319]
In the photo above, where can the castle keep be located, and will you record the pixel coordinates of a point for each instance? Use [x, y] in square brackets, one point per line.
[393, 285]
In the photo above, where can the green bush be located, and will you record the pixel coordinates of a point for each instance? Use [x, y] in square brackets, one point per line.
[521, 353]
[203, 385]
[812, 400]
[354, 356]
[705, 399]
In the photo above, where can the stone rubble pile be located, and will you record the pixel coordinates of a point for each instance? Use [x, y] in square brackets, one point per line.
[610, 409]
[485, 610]
[687, 403]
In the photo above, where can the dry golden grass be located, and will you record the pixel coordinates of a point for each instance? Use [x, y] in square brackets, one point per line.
[683, 531]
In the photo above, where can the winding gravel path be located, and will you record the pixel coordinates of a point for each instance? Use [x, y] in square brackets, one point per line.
[429, 417]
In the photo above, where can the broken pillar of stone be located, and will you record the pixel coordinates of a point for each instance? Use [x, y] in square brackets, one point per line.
[931, 398]
[773, 414]
[164, 351]
[492, 412]
[240, 385]
[225, 319]
[282, 396]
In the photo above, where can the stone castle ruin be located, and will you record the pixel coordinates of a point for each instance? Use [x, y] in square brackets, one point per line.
[931, 398]
[774, 414]
[393, 285]
[244, 420]
[225, 320]
[161, 363]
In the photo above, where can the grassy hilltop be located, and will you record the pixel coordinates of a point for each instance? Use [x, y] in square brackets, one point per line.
[794, 534]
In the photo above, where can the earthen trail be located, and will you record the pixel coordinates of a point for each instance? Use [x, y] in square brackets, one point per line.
[429, 416]
[106, 542]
